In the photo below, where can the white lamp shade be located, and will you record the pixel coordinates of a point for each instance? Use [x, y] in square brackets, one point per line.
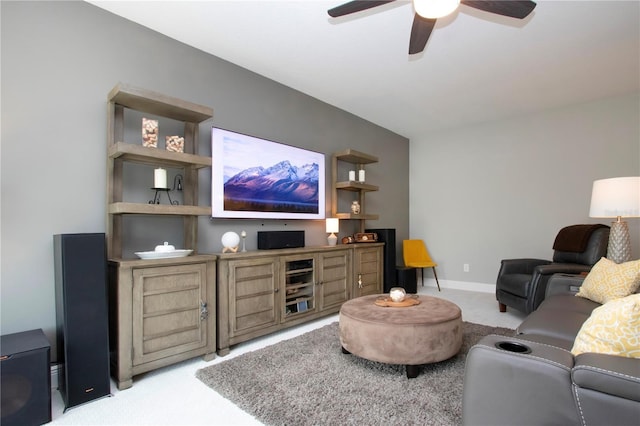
[433, 9]
[333, 225]
[616, 197]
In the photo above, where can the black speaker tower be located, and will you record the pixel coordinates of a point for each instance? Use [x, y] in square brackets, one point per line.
[388, 237]
[82, 332]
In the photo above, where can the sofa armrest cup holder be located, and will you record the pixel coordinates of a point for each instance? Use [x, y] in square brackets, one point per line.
[513, 347]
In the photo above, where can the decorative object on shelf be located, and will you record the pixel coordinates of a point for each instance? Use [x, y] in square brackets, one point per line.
[163, 255]
[163, 251]
[355, 207]
[365, 237]
[156, 197]
[165, 247]
[352, 175]
[149, 133]
[332, 226]
[361, 237]
[174, 143]
[361, 175]
[617, 197]
[160, 178]
[177, 182]
[160, 186]
[397, 294]
[230, 241]
[243, 234]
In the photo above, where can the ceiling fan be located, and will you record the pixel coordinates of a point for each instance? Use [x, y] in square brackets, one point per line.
[428, 11]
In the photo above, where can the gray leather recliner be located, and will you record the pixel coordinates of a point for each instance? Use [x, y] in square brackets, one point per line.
[533, 378]
[521, 283]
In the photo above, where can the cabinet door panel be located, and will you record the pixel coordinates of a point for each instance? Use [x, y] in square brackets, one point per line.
[368, 271]
[166, 311]
[252, 302]
[334, 276]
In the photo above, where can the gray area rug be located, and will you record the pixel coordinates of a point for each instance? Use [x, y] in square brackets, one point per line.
[307, 380]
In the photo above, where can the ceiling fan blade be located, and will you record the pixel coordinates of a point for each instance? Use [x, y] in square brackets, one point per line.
[512, 8]
[420, 32]
[355, 6]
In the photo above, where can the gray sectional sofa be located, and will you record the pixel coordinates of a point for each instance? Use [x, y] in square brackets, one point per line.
[534, 379]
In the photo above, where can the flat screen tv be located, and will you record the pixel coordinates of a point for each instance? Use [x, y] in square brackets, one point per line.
[261, 179]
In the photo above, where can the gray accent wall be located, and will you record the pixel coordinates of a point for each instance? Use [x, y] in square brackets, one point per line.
[59, 61]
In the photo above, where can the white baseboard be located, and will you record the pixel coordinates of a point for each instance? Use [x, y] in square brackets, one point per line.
[461, 285]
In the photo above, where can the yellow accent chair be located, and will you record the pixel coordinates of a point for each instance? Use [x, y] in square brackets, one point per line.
[417, 256]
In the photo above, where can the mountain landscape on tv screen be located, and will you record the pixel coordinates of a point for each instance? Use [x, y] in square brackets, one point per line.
[282, 187]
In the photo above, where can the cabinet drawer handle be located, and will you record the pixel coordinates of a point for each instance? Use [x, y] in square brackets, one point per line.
[204, 312]
[359, 280]
[276, 290]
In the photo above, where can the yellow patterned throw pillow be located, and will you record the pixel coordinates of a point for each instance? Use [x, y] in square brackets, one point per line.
[608, 280]
[613, 328]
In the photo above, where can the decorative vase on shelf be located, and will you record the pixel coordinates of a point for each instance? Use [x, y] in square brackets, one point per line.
[355, 207]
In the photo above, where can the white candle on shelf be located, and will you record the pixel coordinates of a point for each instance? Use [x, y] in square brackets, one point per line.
[159, 178]
[352, 175]
[361, 175]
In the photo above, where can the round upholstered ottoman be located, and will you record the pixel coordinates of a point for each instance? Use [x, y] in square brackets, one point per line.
[420, 334]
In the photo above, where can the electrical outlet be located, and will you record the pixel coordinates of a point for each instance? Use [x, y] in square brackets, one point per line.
[465, 267]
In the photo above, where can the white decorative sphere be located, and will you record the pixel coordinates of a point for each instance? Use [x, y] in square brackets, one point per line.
[230, 239]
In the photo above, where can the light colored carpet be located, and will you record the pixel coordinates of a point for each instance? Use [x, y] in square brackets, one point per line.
[307, 380]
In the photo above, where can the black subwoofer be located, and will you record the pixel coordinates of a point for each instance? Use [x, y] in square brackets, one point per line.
[25, 379]
[82, 320]
[407, 278]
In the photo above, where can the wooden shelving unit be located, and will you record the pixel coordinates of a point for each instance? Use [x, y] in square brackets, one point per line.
[359, 159]
[124, 97]
[161, 311]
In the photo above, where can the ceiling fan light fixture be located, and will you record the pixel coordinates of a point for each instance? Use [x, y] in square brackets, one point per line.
[433, 9]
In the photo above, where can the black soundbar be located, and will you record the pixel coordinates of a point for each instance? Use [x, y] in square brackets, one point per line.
[268, 240]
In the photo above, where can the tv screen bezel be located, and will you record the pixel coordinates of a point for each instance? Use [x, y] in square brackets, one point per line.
[264, 151]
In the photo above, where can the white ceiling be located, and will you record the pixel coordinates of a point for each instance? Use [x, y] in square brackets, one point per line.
[476, 66]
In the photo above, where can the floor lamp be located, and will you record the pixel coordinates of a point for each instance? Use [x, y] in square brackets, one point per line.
[617, 198]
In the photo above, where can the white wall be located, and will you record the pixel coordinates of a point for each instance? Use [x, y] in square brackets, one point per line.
[503, 190]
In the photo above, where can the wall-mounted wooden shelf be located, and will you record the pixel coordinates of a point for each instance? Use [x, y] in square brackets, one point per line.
[154, 156]
[359, 159]
[161, 209]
